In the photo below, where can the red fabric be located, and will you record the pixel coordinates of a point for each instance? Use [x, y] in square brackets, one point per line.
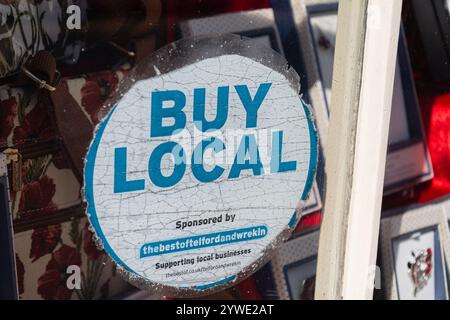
[248, 290]
[310, 221]
[436, 115]
[434, 102]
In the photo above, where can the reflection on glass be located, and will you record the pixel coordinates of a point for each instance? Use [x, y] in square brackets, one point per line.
[324, 32]
[300, 278]
[323, 27]
[399, 129]
[263, 40]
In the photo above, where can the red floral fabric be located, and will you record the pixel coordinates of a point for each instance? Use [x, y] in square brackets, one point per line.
[248, 289]
[61, 246]
[52, 284]
[36, 126]
[60, 160]
[88, 244]
[44, 240]
[97, 89]
[37, 195]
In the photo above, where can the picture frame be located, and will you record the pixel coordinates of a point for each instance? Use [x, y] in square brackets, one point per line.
[412, 247]
[257, 24]
[71, 206]
[446, 224]
[433, 21]
[8, 275]
[408, 161]
[294, 267]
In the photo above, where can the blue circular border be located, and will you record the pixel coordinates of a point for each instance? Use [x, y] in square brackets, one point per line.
[89, 190]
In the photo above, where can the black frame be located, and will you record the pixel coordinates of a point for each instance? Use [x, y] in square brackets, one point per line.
[8, 275]
[268, 278]
[433, 21]
[318, 9]
[415, 127]
[287, 267]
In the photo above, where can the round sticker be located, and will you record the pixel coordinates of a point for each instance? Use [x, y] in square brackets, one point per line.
[200, 167]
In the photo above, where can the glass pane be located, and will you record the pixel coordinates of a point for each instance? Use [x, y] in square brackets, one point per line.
[89, 56]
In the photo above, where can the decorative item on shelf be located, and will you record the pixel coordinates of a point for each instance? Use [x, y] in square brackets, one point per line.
[420, 268]
[324, 43]
[414, 245]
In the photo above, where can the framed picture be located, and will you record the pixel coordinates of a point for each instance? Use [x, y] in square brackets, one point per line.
[433, 21]
[294, 267]
[322, 23]
[256, 24]
[408, 161]
[412, 252]
[446, 224]
[8, 278]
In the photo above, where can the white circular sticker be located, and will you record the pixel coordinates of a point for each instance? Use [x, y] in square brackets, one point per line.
[196, 172]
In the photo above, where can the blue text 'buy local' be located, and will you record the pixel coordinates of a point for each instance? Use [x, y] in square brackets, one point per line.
[170, 104]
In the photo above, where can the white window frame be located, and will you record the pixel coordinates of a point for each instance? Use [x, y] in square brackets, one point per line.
[363, 78]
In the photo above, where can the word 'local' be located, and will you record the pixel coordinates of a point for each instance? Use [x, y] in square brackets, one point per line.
[247, 155]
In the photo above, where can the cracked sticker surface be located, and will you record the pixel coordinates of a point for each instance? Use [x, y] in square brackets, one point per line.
[176, 214]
